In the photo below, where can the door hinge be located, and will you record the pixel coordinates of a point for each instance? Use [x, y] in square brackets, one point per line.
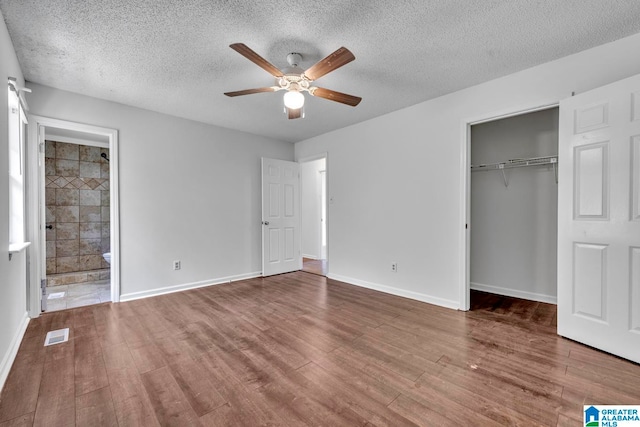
[41, 147]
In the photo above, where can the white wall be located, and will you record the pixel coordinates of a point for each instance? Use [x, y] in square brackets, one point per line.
[13, 313]
[397, 181]
[188, 191]
[310, 201]
[514, 229]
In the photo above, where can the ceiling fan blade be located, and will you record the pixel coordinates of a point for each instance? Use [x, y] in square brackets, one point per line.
[334, 61]
[294, 113]
[246, 51]
[332, 95]
[251, 91]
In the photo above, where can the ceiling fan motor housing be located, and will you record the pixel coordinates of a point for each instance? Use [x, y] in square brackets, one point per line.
[294, 59]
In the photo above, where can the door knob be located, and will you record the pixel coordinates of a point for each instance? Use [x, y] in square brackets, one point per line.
[49, 227]
[265, 222]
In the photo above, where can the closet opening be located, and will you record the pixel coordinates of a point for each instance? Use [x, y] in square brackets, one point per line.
[513, 216]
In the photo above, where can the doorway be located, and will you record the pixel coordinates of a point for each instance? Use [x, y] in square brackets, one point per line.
[313, 178]
[78, 244]
[76, 219]
[512, 213]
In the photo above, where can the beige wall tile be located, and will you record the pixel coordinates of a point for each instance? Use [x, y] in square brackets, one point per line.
[89, 153]
[51, 249]
[68, 214]
[90, 262]
[51, 234]
[51, 266]
[67, 197]
[67, 248]
[62, 181]
[49, 167]
[89, 170]
[90, 197]
[90, 214]
[67, 151]
[90, 230]
[91, 247]
[67, 230]
[50, 196]
[106, 245]
[76, 183]
[50, 149]
[104, 169]
[67, 167]
[67, 264]
[95, 183]
[105, 212]
[106, 230]
[65, 279]
[104, 198]
[50, 214]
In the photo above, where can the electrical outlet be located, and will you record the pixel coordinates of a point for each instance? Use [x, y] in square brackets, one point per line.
[394, 267]
[176, 265]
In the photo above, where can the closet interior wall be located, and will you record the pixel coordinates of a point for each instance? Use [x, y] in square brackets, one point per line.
[514, 226]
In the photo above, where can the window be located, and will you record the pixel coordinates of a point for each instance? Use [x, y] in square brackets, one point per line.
[17, 133]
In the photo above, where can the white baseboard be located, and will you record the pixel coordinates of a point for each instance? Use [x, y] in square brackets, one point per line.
[514, 293]
[12, 352]
[178, 288]
[398, 292]
[310, 256]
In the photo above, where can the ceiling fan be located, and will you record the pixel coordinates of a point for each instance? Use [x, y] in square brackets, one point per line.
[296, 80]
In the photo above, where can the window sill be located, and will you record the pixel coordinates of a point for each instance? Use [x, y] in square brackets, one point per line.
[15, 248]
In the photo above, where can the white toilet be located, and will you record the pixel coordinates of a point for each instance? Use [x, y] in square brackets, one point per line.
[107, 257]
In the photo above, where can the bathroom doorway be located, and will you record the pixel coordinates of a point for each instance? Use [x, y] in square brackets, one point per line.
[78, 219]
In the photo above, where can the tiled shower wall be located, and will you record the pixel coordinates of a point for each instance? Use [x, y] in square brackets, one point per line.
[77, 208]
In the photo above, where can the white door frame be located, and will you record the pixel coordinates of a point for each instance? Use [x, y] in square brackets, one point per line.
[36, 220]
[465, 179]
[312, 158]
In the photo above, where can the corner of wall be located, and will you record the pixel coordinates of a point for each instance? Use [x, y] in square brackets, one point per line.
[10, 356]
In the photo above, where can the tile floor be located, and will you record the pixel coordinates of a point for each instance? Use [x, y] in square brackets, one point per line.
[79, 294]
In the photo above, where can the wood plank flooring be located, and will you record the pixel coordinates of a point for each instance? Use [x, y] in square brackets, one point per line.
[315, 266]
[300, 349]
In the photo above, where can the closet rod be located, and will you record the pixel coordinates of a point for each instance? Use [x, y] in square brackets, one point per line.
[518, 163]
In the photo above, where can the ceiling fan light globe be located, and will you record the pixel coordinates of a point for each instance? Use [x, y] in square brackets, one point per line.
[293, 99]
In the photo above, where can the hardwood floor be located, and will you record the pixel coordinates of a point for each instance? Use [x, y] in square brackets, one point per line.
[315, 266]
[299, 349]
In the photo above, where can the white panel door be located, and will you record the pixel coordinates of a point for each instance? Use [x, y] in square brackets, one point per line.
[280, 217]
[599, 219]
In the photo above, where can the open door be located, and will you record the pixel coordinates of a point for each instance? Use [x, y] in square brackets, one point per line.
[42, 230]
[280, 217]
[599, 219]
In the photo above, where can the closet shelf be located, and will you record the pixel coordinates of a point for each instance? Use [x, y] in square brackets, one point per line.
[518, 163]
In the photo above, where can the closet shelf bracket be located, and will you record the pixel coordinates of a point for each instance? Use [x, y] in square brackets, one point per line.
[504, 175]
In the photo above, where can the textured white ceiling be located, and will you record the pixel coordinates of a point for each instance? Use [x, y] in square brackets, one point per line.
[173, 56]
